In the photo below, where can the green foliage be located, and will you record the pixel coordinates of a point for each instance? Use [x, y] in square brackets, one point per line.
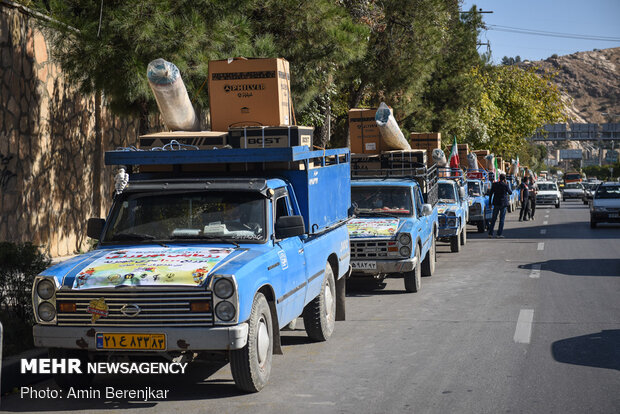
[603, 172]
[19, 264]
[508, 61]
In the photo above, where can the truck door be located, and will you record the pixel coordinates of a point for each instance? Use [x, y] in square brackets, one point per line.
[424, 226]
[290, 253]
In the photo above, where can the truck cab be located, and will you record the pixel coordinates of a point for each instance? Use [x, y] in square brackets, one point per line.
[394, 227]
[453, 208]
[205, 251]
[480, 212]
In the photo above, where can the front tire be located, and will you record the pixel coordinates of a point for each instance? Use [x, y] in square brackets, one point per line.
[455, 245]
[413, 279]
[481, 226]
[557, 205]
[592, 224]
[464, 236]
[320, 313]
[428, 265]
[251, 365]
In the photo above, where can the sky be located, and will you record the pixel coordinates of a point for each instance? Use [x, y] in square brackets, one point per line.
[591, 18]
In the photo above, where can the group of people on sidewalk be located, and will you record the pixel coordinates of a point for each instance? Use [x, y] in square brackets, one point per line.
[499, 195]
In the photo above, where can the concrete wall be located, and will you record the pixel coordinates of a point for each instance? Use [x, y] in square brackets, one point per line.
[47, 144]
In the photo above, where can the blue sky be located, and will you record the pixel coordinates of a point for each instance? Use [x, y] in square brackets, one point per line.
[600, 18]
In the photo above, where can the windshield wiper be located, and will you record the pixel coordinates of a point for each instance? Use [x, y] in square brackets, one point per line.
[376, 213]
[134, 236]
[203, 236]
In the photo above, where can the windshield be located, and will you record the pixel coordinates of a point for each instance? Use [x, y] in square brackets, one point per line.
[446, 193]
[547, 187]
[590, 186]
[573, 186]
[395, 201]
[474, 189]
[608, 191]
[187, 216]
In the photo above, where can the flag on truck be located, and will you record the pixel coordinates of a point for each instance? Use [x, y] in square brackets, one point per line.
[454, 156]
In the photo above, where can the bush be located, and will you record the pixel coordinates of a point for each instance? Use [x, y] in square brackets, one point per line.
[19, 264]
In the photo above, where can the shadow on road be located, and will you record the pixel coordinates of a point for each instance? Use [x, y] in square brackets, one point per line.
[600, 350]
[579, 267]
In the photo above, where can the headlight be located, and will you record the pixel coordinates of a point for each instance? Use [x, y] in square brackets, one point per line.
[46, 311]
[223, 288]
[45, 289]
[225, 311]
[451, 222]
[601, 209]
[405, 251]
[404, 238]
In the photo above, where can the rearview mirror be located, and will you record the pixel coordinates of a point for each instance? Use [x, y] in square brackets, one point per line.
[94, 228]
[290, 226]
[427, 209]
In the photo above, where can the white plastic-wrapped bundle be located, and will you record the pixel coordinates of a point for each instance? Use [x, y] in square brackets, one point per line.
[172, 100]
[390, 132]
[439, 157]
[490, 159]
[472, 160]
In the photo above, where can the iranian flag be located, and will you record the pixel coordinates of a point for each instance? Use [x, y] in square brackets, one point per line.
[454, 156]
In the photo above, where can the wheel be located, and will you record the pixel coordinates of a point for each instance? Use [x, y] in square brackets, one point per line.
[592, 224]
[557, 205]
[428, 265]
[413, 279]
[455, 245]
[320, 313]
[66, 381]
[464, 236]
[251, 365]
[481, 226]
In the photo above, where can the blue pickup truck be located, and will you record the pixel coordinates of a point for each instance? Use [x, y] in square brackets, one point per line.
[213, 250]
[480, 211]
[513, 183]
[453, 208]
[395, 225]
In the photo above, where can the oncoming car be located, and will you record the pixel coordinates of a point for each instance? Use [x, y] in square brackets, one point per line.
[548, 193]
[605, 206]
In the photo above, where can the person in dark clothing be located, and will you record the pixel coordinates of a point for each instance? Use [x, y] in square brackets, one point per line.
[499, 198]
[533, 190]
[525, 200]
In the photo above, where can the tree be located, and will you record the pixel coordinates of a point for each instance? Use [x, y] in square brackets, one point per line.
[509, 61]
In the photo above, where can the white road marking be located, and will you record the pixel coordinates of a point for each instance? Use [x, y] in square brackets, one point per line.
[543, 231]
[546, 215]
[541, 246]
[535, 273]
[523, 332]
[545, 222]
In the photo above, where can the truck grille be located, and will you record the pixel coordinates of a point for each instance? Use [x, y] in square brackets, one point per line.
[369, 249]
[157, 308]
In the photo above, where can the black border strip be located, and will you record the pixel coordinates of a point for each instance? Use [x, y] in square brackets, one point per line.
[292, 292]
[344, 256]
[314, 276]
[273, 266]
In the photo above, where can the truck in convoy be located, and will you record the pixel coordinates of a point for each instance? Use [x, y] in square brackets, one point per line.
[513, 183]
[208, 253]
[394, 227]
[453, 208]
[480, 211]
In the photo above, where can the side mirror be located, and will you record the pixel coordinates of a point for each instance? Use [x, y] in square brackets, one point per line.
[290, 226]
[94, 228]
[427, 209]
[462, 192]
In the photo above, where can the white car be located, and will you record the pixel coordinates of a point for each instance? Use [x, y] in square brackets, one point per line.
[605, 206]
[548, 193]
[572, 190]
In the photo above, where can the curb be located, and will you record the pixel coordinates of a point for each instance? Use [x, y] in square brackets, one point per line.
[11, 376]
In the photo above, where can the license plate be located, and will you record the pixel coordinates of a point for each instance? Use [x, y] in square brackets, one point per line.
[131, 341]
[614, 215]
[364, 265]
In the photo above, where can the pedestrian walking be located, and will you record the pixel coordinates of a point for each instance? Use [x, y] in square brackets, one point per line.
[499, 198]
[525, 200]
[532, 196]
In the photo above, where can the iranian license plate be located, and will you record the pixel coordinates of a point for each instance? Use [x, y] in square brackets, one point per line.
[363, 265]
[614, 215]
[131, 341]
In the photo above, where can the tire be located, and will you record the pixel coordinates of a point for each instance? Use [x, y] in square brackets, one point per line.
[320, 314]
[413, 279]
[66, 381]
[592, 224]
[455, 245]
[481, 226]
[463, 236]
[557, 205]
[428, 265]
[251, 365]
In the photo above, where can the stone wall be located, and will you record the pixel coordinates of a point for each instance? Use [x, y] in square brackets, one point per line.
[47, 142]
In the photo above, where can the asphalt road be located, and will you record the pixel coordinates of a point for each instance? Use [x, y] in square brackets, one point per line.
[525, 324]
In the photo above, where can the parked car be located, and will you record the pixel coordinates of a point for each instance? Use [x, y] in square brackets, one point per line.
[548, 193]
[572, 190]
[605, 206]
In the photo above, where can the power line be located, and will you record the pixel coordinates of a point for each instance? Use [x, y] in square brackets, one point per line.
[519, 30]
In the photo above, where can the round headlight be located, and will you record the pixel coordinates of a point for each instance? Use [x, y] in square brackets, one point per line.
[46, 311]
[404, 238]
[225, 311]
[45, 289]
[405, 251]
[451, 222]
[223, 288]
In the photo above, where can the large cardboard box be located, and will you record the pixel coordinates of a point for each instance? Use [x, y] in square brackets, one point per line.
[199, 139]
[249, 92]
[270, 137]
[426, 141]
[364, 133]
[463, 150]
[365, 162]
[403, 159]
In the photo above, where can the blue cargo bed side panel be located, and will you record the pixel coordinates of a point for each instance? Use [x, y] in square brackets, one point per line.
[323, 194]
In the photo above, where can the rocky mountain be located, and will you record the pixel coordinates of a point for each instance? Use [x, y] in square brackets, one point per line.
[591, 79]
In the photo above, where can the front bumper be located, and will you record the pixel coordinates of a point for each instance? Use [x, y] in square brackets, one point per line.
[572, 195]
[385, 267]
[177, 339]
[547, 200]
[604, 217]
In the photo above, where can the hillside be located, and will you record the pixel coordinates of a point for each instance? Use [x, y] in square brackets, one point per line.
[591, 79]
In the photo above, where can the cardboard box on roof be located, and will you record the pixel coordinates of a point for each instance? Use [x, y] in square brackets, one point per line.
[364, 133]
[463, 150]
[249, 92]
[500, 164]
[425, 140]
